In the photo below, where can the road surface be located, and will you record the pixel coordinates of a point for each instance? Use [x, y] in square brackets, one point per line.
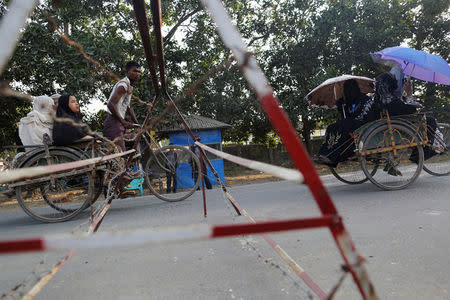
[404, 236]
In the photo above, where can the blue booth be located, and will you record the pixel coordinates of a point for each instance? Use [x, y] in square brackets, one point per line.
[210, 132]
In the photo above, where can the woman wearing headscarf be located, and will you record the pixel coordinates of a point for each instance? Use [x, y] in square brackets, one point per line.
[63, 132]
[355, 109]
[386, 97]
[37, 122]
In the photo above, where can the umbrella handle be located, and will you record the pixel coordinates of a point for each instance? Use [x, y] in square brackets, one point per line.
[409, 81]
[334, 90]
[410, 73]
[409, 78]
[335, 96]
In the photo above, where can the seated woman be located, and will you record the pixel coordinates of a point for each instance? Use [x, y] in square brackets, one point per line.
[355, 110]
[385, 96]
[63, 132]
[37, 122]
[35, 125]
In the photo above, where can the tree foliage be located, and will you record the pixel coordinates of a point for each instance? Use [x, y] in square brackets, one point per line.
[299, 44]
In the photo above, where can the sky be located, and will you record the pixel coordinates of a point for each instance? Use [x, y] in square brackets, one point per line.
[93, 107]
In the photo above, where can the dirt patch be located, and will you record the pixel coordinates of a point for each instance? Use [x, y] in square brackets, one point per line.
[249, 179]
[7, 201]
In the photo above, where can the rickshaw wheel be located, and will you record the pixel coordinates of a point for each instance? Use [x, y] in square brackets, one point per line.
[157, 166]
[350, 172]
[439, 164]
[399, 168]
[61, 201]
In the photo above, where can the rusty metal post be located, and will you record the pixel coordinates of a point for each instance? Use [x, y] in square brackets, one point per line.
[203, 183]
[155, 7]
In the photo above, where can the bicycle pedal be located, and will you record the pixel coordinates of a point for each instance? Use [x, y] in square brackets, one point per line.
[127, 193]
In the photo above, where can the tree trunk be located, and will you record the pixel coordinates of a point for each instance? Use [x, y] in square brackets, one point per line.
[271, 156]
[306, 133]
[430, 90]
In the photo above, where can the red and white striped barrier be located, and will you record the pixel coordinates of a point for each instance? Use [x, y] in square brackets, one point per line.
[11, 27]
[27, 173]
[158, 235]
[283, 254]
[37, 288]
[280, 122]
[280, 172]
[166, 235]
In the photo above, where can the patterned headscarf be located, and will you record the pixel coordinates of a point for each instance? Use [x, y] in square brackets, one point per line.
[385, 86]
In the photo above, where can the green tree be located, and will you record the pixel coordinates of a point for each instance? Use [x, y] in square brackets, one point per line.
[44, 64]
[299, 44]
[316, 40]
[429, 28]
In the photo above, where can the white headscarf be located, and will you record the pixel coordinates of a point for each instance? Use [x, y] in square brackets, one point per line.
[37, 122]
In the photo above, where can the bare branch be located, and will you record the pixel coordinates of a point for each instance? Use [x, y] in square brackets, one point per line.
[258, 38]
[7, 92]
[180, 21]
[80, 49]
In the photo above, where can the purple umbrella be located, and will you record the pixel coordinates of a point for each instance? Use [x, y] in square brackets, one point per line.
[418, 64]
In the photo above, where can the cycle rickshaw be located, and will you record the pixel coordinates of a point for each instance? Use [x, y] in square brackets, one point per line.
[396, 142]
[63, 195]
[392, 142]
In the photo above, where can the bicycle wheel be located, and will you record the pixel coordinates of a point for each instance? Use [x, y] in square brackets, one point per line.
[350, 172]
[400, 167]
[439, 164]
[162, 175]
[59, 201]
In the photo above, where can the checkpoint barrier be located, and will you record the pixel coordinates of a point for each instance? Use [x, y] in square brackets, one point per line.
[280, 122]
[33, 172]
[330, 217]
[10, 28]
[160, 235]
[171, 234]
[280, 172]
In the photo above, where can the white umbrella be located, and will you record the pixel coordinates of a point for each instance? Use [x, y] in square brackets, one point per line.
[328, 92]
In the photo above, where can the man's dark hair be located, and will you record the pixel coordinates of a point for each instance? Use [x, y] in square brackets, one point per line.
[131, 64]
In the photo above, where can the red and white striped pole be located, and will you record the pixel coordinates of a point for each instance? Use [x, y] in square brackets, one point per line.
[33, 172]
[159, 235]
[255, 77]
[280, 172]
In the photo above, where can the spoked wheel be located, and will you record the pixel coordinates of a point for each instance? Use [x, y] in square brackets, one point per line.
[439, 164]
[59, 199]
[397, 169]
[160, 171]
[350, 172]
[98, 189]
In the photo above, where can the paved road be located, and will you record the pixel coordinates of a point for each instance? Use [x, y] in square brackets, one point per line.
[403, 234]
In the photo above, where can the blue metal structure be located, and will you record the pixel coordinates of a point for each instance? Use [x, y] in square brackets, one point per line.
[208, 136]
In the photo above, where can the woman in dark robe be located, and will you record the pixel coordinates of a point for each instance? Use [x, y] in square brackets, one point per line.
[385, 97]
[355, 110]
[64, 133]
[385, 86]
